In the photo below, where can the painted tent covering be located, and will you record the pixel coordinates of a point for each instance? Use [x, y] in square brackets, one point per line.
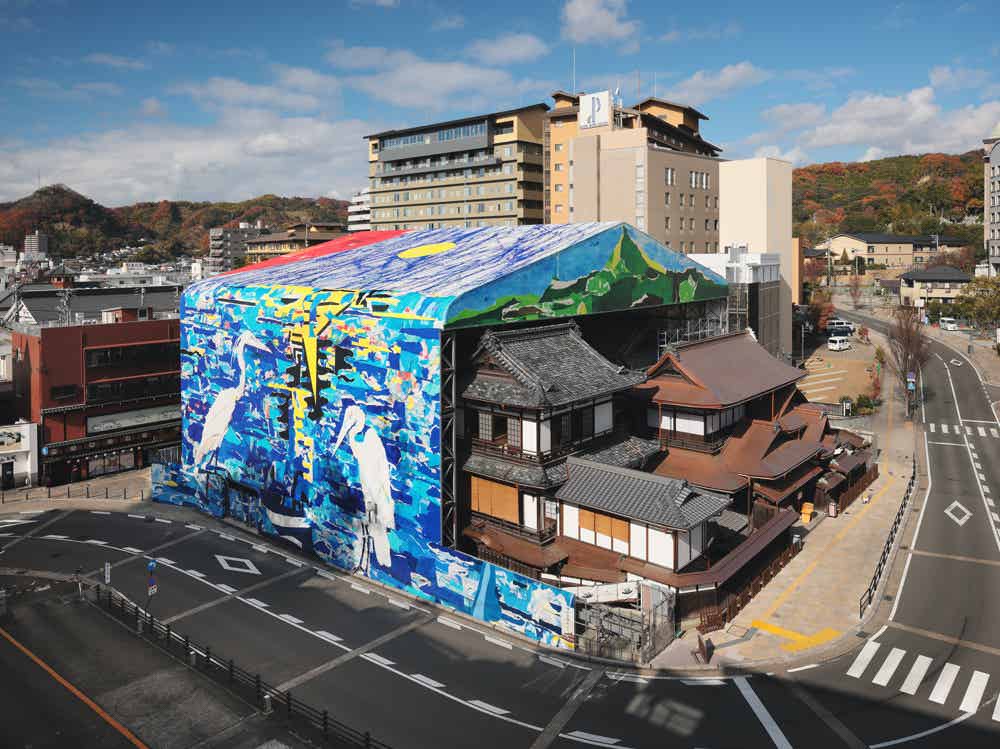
[311, 392]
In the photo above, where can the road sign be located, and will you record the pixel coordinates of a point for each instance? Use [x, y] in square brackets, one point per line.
[151, 591]
[911, 385]
[911, 376]
[107, 573]
[151, 566]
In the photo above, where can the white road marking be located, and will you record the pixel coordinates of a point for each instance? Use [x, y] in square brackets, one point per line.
[398, 603]
[917, 673]
[193, 527]
[164, 560]
[633, 678]
[802, 668]
[376, 658]
[427, 681]
[994, 433]
[226, 536]
[501, 643]
[944, 428]
[982, 476]
[703, 682]
[132, 550]
[329, 636]
[225, 588]
[486, 706]
[974, 693]
[946, 679]
[996, 711]
[139, 517]
[996, 518]
[163, 520]
[968, 430]
[953, 444]
[889, 667]
[327, 576]
[448, 622]
[552, 661]
[237, 564]
[592, 738]
[290, 618]
[99, 512]
[982, 431]
[978, 466]
[779, 739]
[958, 429]
[255, 602]
[361, 589]
[96, 542]
[986, 490]
[809, 382]
[814, 391]
[258, 547]
[294, 562]
[933, 429]
[195, 573]
[864, 658]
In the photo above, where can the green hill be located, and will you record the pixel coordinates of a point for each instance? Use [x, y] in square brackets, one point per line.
[78, 226]
[931, 193]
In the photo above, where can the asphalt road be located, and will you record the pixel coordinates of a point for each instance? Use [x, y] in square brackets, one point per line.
[417, 677]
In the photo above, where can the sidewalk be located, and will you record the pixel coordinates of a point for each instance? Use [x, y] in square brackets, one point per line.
[127, 485]
[810, 608]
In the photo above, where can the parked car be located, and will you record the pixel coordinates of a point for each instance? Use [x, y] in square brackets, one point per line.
[948, 323]
[840, 331]
[838, 343]
[836, 322]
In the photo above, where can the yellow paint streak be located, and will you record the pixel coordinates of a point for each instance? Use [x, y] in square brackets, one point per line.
[798, 641]
[426, 249]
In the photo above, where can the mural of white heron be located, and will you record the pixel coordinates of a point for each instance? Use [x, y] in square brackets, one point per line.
[373, 468]
[220, 415]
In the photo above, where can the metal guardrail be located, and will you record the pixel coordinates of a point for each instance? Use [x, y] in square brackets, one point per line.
[282, 705]
[869, 595]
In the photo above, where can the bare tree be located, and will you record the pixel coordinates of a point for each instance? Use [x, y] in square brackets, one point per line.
[909, 347]
[854, 289]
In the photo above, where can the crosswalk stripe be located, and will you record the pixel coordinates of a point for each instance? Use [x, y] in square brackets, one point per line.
[944, 429]
[968, 430]
[982, 432]
[944, 683]
[933, 427]
[996, 711]
[974, 693]
[864, 658]
[994, 433]
[958, 429]
[916, 675]
[889, 667]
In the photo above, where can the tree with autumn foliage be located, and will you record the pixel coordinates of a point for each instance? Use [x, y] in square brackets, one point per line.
[909, 347]
[980, 302]
[820, 308]
[854, 289]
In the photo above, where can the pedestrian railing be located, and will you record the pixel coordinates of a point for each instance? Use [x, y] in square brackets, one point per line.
[283, 705]
[869, 595]
[71, 491]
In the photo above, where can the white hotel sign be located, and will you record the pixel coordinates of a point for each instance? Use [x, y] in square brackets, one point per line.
[595, 110]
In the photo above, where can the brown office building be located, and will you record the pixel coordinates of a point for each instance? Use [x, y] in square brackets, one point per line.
[104, 395]
[476, 171]
[646, 164]
[291, 239]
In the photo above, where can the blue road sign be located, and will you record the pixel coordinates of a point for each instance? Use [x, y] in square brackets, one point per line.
[151, 566]
[151, 591]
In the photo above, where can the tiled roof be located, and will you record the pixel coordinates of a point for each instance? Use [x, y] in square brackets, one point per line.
[707, 381]
[940, 273]
[44, 305]
[551, 365]
[881, 238]
[645, 497]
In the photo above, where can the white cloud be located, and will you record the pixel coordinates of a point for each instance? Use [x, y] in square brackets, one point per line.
[957, 78]
[706, 85]
[230, 91]
[404, 79]
[244, 154]
[819, 80]
[965, 8]
[43, 88]
[795, 116]
[376, 3]
[909, 123]
[507, 48]
[871, 153]
[306, 79]
[115, 61]
[153, 107]
[795, 154]
[366, 58]
[160, 48]
[448, 23]
[597, 21]
[710, 33]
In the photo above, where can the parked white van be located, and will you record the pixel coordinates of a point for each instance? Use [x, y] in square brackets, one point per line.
[837, 322]
[838, 343]
[948, 323]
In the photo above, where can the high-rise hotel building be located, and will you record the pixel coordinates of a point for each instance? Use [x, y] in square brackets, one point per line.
[991, 199]
[646, 164]
[476, 171]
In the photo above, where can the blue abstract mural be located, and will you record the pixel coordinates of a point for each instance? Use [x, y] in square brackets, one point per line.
[311, 393]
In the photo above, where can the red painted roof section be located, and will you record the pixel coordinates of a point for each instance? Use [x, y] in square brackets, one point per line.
[348, 242]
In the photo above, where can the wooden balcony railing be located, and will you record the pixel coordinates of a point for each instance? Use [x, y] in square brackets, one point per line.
[711, 444]
[543, 535]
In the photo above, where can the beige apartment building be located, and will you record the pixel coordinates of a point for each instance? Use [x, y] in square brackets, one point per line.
[475, 171]
[918, 288]
[647, 165]
[991, 198]
[891, 250]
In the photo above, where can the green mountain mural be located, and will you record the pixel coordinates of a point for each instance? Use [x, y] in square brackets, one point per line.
[629, 278]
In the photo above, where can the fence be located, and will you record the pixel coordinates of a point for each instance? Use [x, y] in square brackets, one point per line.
[303, 718]
[869, 595]
[715, 617]
[71, 491]
[846, 499]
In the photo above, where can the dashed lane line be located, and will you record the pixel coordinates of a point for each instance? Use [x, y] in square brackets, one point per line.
[489, 708]
[229, 593]
[35, 530]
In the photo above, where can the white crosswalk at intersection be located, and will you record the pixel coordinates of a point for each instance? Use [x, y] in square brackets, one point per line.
[957, 687]
[957, 429]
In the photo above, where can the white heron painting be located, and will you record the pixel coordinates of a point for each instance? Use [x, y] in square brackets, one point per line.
[220, 415]
[373, 470]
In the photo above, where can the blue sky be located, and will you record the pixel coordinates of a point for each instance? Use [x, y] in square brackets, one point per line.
[227, 100]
